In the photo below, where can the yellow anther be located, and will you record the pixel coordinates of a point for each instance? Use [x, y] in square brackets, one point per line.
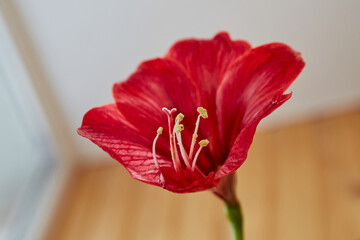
[160, 130]
[178, 128]
[204, 143]
[194, 137]
[179, 117]
[203, 112]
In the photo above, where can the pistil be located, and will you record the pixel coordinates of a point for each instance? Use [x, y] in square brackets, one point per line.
[173, 149]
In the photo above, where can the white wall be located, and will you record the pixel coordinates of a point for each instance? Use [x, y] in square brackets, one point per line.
[85, 46]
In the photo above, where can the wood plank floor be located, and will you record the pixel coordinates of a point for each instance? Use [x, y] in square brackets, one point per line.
[301, 182]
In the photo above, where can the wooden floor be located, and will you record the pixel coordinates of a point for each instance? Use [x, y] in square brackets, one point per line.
[300, 182]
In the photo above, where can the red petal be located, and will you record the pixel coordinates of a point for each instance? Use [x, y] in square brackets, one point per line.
[243, 141]
[250, 85]
[206, 62]
[108, 129]
[156, 84]
[174, 183]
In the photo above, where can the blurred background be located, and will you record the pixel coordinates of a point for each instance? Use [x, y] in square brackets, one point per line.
[59, 59]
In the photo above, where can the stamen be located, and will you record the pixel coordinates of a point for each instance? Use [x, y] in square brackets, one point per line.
[178, 128]
[184, 155]
[202, 143]
[202, 113]
[195, 136]
[179, 117]
[159, 132]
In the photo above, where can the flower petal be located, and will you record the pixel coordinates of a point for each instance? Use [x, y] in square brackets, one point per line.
[250, 85]
[156, 84]
[243, 141]
[206, 62]
[107, 128]
[174, 183]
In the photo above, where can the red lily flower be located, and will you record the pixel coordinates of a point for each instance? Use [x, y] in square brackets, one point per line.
[153, 126]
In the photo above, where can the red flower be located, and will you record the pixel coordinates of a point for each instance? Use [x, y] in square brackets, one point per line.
[231, 85]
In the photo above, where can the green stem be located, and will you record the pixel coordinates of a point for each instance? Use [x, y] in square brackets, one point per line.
[226, 190]
[234, 214]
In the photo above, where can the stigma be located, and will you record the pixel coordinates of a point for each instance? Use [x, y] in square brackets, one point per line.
[186, 160]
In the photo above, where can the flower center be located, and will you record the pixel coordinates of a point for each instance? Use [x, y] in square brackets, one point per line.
[175, 129]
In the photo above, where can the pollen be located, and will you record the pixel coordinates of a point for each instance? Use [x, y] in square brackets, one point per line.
[203, 112]
[178, 128]
[179, 117]
[159, 131]
[204, 143]
[195, 136]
